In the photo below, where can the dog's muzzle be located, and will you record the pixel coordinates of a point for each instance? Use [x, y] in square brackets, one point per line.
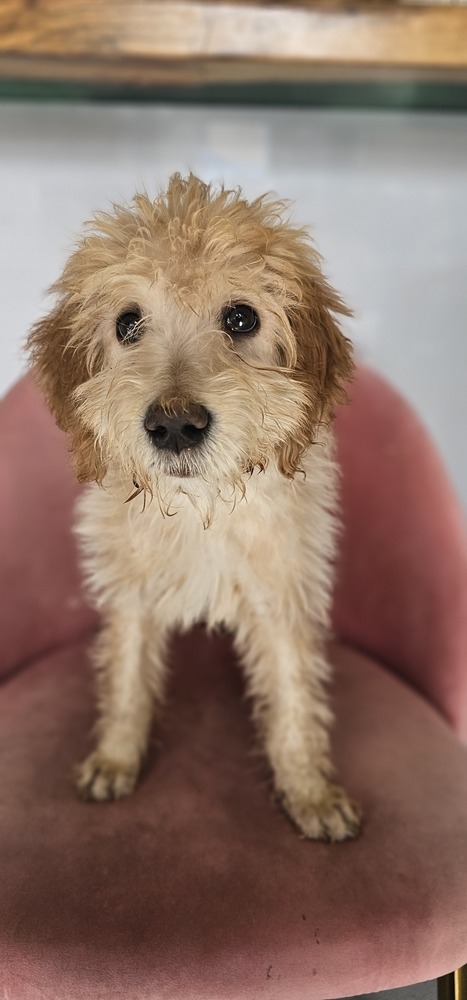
[179, 429]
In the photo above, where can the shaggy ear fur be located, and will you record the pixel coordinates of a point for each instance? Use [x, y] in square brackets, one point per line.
[60, 366]
[324, 361]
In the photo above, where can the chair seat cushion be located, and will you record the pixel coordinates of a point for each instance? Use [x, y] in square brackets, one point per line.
[198, 886]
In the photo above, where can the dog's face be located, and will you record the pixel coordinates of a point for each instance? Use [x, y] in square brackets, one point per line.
[193, 339]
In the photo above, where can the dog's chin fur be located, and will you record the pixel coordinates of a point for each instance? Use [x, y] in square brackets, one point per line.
[238, 531]
[171, 493]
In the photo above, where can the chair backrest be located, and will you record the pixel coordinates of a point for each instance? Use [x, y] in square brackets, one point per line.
[41, 600]
[401, 589]
[402, 578]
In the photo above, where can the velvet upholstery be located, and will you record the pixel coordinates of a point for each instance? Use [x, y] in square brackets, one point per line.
[41, 604]
[402, 584]
[198, 886]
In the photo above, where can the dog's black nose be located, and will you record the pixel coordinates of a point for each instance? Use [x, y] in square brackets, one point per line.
[180, 429]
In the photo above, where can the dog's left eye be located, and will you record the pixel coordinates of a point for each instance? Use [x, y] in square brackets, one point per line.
[240, 319]
[128, 328]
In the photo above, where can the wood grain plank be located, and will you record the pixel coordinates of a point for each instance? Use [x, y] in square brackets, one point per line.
[149, 42]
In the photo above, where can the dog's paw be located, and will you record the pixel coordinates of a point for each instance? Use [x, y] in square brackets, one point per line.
[333, 818]
[99, 779]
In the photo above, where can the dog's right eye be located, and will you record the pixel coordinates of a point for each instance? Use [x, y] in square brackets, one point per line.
[128, 327]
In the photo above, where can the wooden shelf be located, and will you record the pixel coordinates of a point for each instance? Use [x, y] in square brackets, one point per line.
[150, 43]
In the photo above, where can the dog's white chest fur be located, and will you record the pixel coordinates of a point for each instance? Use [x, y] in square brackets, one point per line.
[269, 550]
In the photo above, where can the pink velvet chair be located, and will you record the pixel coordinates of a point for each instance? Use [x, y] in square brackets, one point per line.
[198, 886]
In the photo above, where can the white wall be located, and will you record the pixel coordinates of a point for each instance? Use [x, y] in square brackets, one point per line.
[386, 194]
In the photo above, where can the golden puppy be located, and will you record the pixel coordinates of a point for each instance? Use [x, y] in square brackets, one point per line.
[194, 359]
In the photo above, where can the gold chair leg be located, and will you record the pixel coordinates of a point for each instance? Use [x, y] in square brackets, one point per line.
[454, 985]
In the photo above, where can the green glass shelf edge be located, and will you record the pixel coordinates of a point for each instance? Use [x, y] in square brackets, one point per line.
[410, 95]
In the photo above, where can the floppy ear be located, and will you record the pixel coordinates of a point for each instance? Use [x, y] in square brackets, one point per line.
[60, 364]
[323, 362]
[324, 354]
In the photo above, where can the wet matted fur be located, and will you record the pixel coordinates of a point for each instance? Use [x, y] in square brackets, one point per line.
[237, 530]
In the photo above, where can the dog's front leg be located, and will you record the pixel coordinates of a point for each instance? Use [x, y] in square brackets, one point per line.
[129, 656]
[287, 670]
